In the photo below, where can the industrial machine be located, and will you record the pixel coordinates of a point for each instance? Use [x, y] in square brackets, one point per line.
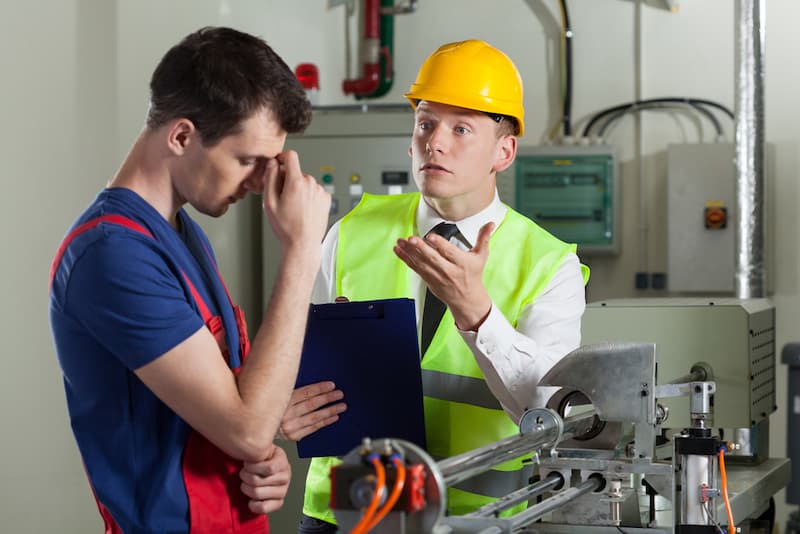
[604, 464]
[732, 341]
[790, 355]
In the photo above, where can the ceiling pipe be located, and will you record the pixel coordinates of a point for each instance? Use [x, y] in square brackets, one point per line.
[749, 276]
[386, 51]
[370, 79]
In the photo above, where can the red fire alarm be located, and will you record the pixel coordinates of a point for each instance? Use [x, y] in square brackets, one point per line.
[308, 75]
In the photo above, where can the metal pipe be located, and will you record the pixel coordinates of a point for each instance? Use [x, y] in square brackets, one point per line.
[697, 374]
[644, 207]
[459, 468]
[694, 476]
[386, 58]
[400, 10]
[552, 481]
[749, 266]
[556, 501]
[371, 67]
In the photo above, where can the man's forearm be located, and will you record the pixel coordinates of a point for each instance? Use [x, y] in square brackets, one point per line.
[267, 378]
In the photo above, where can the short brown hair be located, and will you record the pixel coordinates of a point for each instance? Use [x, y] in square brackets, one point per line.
[218, 77]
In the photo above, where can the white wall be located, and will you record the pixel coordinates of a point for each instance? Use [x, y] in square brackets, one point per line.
[56, 147]
[74, 92]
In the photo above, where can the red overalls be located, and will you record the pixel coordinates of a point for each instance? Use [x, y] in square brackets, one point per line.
[211, 477]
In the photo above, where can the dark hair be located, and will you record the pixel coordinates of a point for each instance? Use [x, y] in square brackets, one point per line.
[218, 77]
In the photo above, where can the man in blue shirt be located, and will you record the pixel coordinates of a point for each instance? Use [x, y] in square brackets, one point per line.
[173, 410]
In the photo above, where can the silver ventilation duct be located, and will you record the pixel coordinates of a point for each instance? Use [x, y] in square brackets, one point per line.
[749, 275]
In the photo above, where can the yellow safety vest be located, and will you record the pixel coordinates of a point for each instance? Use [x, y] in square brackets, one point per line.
[461, 413]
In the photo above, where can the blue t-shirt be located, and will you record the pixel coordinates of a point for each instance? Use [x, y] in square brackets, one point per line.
[119, 300]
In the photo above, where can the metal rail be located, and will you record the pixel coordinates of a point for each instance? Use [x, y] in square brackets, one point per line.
[553, 481]
[464, 466]
[556, 501]
[697, 374]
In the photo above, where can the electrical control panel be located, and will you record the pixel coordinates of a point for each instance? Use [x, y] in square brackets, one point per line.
[572, 192]
[701, 220]
[353, 150]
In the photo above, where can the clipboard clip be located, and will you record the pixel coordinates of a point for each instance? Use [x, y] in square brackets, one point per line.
[346, 310]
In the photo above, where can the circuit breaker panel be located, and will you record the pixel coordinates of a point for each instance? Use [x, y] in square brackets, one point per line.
[571, 191]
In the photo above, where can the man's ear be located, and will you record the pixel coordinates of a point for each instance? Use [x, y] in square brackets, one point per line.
[180, 135]
[506, 152]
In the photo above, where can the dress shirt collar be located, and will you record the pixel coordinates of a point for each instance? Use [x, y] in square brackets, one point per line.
[427, 218]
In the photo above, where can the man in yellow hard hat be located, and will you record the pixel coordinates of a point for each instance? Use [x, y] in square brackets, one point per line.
[514, 294]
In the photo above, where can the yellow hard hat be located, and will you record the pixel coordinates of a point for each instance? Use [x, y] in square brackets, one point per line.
[474, 75]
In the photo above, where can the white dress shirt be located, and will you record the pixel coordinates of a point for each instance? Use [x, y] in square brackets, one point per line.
[512, 360]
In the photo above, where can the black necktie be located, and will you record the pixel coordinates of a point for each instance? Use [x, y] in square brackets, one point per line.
[434, 308]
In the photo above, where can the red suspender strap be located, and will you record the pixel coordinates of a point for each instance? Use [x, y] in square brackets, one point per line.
[216, 502]
[110, 526]
[213, 322]
[132, 225]
[238, 312]
[88, 225]
[205, 313]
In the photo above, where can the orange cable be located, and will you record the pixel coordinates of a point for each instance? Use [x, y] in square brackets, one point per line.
[362, 525]
[731, 525]
[397, 489]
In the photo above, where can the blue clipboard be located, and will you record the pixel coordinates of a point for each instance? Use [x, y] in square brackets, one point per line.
[371, 351]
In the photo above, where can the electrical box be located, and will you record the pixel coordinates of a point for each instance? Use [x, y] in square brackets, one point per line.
[736, 338]
[572, 192]
[701, 216]
[356, 149]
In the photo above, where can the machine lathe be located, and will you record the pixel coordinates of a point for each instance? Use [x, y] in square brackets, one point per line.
[605, 458]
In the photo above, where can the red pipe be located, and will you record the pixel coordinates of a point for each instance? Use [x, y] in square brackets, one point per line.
[367, 84]
[372, 20]
[370, 79]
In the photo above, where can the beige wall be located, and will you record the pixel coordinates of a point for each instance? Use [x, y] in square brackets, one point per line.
[74, 93]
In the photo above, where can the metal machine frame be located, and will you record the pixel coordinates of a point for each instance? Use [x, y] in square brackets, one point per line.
[632, 486]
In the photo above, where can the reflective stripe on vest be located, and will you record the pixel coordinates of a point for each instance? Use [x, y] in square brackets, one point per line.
[454, 388]
[211, 477]
[522, 260]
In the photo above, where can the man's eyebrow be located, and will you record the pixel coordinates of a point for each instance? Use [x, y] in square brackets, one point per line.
[253, 156]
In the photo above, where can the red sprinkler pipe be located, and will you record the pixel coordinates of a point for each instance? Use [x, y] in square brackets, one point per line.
[370, 79]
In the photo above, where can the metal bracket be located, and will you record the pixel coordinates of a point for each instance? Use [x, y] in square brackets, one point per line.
[619, 380]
